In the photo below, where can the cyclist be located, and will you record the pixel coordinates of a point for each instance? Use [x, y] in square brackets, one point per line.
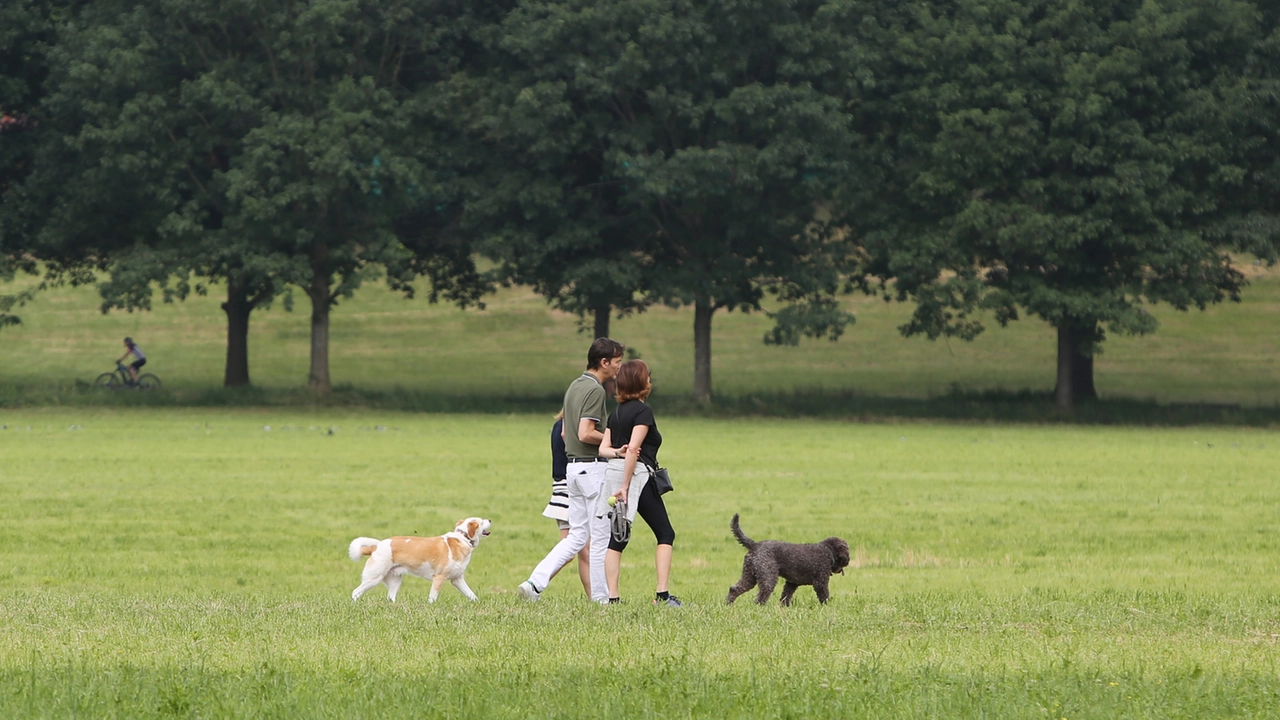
[133, 349]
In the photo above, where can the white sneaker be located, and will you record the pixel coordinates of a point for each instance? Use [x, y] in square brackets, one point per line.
[528, 592]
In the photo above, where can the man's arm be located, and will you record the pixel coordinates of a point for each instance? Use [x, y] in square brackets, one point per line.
[588, 433]
[592, 413]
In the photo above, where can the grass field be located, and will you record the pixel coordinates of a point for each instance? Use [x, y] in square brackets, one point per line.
[517, 348]
[191, 563]
[160, 557]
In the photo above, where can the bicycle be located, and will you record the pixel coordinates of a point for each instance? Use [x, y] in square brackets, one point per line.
[121, 379]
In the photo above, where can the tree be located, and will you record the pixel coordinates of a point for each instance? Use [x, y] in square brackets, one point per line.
[132, 179]
[1252, 223]
[1063, 158]
[539, 198]
[691, 142]
[25, 27]
[743, 134]
[262, 144]
[13, 259]
[322, 172]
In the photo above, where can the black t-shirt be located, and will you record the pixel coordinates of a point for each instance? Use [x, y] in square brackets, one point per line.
[559, 461]
[628, 415]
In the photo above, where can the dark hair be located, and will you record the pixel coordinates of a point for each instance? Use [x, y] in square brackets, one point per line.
[603, 349]
[633, 381]
[128, 341]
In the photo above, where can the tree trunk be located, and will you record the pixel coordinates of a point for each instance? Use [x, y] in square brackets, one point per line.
[602, 320]
[702, 310]
[1082, 375]
[1077, 367]
[1064, 393]
[318, 378]
[237, 307]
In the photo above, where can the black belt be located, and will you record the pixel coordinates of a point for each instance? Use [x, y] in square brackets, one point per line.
[594, 459]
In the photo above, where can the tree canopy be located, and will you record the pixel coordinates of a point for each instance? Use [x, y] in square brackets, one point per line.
[255, 144]
[1072, 160]
[1061, 158]
[26, 26]
[669, 151]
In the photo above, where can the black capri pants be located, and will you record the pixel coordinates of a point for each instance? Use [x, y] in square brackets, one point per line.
[654, 512]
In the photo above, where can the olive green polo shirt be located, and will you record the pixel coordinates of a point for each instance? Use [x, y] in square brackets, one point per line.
[584, 399]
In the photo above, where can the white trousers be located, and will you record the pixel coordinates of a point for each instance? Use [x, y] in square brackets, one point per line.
[586, 480]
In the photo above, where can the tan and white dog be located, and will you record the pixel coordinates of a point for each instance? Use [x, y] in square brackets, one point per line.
[434, 558]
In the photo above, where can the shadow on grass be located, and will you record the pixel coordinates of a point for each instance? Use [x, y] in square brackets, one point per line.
[983, 406]
[957, 405]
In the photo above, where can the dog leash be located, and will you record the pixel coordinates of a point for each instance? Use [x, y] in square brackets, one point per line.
[619, 525]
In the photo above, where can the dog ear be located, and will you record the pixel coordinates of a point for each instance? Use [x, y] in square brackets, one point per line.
[843, 553]
[473, 528]
[840, 549]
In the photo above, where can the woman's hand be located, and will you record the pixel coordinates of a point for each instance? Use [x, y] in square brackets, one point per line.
[607, 444]
[621, 495]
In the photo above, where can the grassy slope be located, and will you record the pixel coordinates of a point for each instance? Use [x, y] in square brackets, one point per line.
[190, 563]
[518, 348]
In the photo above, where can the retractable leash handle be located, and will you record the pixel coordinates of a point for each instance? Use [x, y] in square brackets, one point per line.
[619, 525]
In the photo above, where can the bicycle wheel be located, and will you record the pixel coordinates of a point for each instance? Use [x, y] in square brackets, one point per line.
[107, 380]
[148, 381]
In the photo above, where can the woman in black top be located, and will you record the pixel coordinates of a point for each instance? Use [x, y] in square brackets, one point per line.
[632, 437]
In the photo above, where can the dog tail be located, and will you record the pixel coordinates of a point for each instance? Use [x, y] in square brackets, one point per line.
[361, 547]
[746, 542]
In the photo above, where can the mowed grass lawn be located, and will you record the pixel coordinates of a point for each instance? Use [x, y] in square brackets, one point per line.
[179, 563]
[518, 348]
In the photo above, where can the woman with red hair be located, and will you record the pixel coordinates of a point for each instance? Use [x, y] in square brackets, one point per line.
[633, 431]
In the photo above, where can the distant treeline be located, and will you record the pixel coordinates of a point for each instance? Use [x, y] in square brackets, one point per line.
[1075, 160]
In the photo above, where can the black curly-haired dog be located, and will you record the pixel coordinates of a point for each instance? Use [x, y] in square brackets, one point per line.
[767, 560]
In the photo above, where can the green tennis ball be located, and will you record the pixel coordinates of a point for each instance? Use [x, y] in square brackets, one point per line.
[612, 501]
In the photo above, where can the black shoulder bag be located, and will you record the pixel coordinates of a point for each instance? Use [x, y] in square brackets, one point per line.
[661, 480]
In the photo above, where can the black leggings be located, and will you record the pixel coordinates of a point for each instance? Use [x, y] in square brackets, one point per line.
[654, 512]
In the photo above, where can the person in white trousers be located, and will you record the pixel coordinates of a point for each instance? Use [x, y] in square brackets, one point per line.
[584, 425]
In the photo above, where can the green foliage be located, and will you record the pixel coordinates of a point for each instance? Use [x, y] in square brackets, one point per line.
[727, 146]
[1254, 226]
[1061, 158]
[1075, 160]
[26, 28]
[821, 316]
[666, 151]
[258, 144]
[9, 302]
[537, 121]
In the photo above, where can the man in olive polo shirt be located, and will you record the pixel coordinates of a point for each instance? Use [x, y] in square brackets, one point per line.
[584, 424]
